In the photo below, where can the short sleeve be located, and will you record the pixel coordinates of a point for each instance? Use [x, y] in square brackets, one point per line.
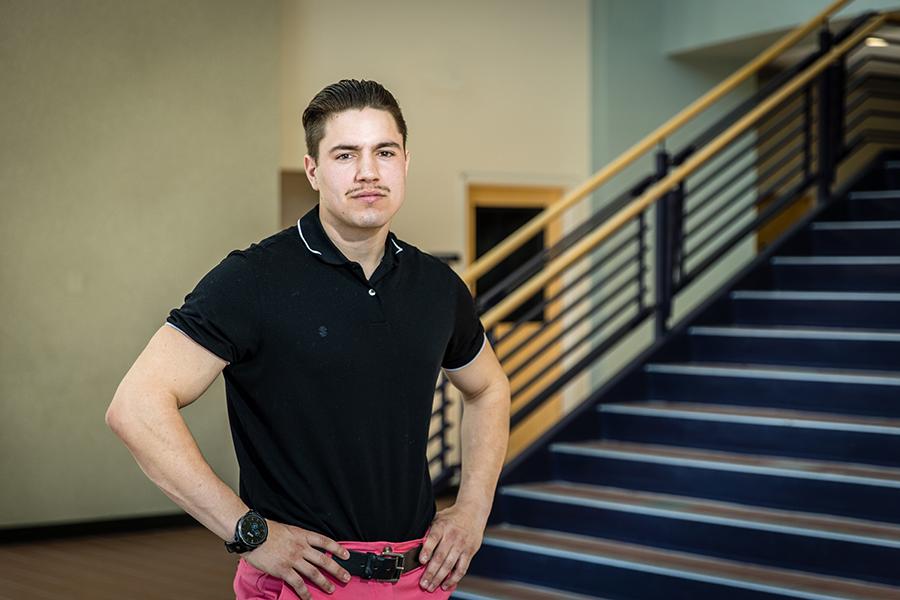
[220, 313]
[468, 339]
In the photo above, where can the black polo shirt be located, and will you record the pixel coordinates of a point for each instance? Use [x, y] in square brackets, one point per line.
[330, 381]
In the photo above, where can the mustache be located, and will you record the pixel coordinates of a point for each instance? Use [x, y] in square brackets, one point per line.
[370, 188]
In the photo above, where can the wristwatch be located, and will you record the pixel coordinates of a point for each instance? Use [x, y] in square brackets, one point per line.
[249, 533]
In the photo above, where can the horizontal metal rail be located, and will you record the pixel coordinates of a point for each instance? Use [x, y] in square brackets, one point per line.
[662, 187]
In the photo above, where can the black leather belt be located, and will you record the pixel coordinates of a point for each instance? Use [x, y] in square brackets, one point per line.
[386, 566]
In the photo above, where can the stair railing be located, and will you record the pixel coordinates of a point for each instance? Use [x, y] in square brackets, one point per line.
[497, 254]
[689, 232]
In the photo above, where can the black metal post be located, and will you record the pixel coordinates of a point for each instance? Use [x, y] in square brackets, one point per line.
[839, 112]
[663, 250]
[677, 216]
[807, 131]
[642, 260]
[824, 125]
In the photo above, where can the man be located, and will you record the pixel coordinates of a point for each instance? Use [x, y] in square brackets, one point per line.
[330, 336]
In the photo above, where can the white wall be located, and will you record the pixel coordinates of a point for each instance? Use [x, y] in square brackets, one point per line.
[496, 90]
[636, 87]
[694, 24]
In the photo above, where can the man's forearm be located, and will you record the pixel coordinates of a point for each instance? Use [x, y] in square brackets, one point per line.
[485, 434]
[457, 531]
[152, 427]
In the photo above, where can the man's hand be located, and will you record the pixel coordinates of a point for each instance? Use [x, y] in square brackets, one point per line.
[454, 538]
[290, 551]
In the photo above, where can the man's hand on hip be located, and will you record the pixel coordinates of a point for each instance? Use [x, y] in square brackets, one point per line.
[454, 538]
[289, 552]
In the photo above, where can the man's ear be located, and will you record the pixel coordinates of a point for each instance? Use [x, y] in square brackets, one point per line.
[406, 168]
[309, 166]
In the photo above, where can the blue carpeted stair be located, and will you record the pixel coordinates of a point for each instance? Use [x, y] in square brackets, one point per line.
[756, 456]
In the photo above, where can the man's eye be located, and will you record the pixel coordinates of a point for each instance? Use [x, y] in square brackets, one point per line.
[343, 156]
[387, 153]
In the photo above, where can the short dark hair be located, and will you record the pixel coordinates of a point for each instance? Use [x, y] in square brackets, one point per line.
[346, 94]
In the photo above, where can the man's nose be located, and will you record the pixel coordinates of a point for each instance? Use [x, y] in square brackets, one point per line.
[368, 169]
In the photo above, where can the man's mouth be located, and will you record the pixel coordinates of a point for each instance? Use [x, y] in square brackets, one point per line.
[368, 195]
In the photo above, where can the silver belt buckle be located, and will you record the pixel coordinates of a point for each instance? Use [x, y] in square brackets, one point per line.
[400, 563]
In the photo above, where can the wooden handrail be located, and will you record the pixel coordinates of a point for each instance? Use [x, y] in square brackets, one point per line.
[657, 190]
[493, 257]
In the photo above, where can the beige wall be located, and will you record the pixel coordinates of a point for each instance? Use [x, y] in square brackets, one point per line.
[140, 144]
[492, 90]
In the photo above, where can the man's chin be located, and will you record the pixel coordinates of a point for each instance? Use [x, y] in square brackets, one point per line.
[367, 224]
[372, 218]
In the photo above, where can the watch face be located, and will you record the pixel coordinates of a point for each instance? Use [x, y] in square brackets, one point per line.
[253, 529]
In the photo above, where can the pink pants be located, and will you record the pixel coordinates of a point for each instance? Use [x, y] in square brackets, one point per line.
[252, 584]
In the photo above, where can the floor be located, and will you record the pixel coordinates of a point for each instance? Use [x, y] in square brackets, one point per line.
[185, 563]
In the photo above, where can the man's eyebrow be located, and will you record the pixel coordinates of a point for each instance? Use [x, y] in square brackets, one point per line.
[358, 148]
[343, 147]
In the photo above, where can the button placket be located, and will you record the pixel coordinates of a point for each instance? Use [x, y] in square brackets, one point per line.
[375, 305]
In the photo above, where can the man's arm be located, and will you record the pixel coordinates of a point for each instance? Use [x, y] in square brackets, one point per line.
[169, 374]
[457, 531]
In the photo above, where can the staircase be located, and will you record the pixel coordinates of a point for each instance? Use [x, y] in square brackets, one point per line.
[756, 454]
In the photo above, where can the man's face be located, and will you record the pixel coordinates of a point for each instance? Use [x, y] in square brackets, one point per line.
[361, 171]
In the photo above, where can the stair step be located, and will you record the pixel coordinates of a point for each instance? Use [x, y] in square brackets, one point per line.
[712, 511]
[755, 415]
[855, 238]
[856, 226]
[473, 587]
[880, 310]
[729, 461]
[875, 204]
[875, 195]
[837, 260]
[848, 489]
[837, 273]
[844, 391]
[589, 565]
[817, 333]
[802, 434]
[797, 540]
[817, 347]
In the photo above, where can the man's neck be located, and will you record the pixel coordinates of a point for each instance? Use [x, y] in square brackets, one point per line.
[364, 246]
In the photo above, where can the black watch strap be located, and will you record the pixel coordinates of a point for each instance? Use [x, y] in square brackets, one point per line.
[237, 547]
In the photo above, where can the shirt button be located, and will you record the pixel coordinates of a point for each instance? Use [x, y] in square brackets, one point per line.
[371, 292]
